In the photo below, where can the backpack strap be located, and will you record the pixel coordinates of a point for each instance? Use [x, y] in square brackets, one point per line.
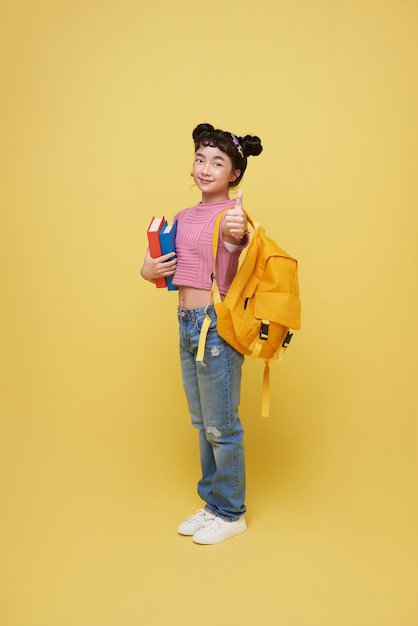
[202, 337]
[265, 403]
[258, 342]
[214, 292]
[279, 355]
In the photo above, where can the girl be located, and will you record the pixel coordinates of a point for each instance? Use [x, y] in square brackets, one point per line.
[213, 386]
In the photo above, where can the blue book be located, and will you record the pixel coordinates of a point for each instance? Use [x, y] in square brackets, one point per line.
[168, 244]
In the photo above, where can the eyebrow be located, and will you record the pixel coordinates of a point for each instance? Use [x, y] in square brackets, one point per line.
[215, 157]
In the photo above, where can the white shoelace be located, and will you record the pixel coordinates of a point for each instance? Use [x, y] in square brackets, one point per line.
[216, 521]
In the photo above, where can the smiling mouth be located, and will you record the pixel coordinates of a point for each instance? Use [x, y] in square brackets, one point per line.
[204, 181]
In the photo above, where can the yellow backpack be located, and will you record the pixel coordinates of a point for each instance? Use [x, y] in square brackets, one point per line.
[261, 306]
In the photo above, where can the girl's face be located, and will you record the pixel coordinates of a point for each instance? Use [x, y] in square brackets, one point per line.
[212, 173]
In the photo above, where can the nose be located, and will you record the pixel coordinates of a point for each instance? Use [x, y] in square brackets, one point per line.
[205, 168]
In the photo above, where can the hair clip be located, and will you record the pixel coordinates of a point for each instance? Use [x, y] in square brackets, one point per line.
[238, 145]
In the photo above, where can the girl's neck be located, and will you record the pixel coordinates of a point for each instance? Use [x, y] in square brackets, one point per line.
[214, 199]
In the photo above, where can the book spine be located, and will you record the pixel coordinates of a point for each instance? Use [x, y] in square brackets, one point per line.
[168, 244]
[155, 251]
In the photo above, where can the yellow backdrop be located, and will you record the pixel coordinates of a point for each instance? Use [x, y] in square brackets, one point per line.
[98, 461]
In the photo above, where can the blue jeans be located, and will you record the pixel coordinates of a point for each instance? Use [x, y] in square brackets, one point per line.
[213, 394]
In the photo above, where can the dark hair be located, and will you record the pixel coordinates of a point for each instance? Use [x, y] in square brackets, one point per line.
[207, 135]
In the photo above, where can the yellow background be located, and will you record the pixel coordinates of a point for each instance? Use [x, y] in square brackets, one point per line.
[98, 460]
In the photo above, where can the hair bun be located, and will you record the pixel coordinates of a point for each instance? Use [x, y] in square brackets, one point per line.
[202, 130]
[251, 145]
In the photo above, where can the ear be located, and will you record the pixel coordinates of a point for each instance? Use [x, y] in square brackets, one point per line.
[234, 175]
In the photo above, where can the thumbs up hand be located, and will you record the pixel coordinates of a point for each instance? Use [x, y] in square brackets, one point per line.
[235, 221]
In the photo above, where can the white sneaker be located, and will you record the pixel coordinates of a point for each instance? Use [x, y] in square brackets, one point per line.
[192, 524]
[218, 530]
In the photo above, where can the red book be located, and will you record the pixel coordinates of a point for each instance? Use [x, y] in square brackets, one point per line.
[153, 233]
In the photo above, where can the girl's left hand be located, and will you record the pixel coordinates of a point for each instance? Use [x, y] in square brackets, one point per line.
[158, 267]
[235, 221]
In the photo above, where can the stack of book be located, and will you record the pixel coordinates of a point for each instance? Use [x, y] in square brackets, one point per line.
[162, 240]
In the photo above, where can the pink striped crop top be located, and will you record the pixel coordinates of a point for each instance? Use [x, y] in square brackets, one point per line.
[194, 248]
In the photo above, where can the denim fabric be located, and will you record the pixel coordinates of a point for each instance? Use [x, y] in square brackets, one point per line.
[213, 394]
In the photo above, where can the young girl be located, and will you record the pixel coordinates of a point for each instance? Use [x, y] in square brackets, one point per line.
[212, 386]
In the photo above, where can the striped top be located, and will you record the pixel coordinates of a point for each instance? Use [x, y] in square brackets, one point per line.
[194, 248]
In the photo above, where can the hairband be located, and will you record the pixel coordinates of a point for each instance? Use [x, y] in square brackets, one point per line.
[238, 145]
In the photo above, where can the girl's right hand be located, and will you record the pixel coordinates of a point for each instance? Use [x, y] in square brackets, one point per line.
[234, 225]
[160, 266]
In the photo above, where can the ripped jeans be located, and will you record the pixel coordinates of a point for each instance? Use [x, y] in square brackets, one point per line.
[213, 394]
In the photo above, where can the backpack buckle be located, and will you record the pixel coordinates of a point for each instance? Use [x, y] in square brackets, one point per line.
[287, 339]
[264, 330]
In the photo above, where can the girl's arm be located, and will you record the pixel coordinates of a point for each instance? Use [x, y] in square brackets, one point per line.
[160, 266]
